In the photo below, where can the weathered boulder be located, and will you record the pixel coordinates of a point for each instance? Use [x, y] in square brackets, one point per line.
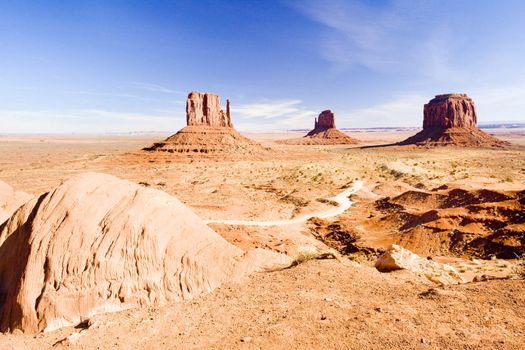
[398, 258]
[10, 200]
[97, 243]
[450, 111]
[205, 109]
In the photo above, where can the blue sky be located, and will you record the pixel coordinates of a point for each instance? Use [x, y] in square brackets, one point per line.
[122, 66]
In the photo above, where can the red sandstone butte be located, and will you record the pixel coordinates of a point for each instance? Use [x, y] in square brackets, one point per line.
[205, 109]
[450, 119]
[209, 131]
[324, 133]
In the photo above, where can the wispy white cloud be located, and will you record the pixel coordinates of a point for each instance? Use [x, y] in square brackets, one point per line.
[86, 120]
[399, 35]
[404, 110]
[273, 115]
[108, 94]
[150, 87]
[270, 109]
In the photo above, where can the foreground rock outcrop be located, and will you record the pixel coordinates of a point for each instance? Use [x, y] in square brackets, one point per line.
[324, 133]
[397, 258]
[98, 244]
[209, 131]
[450, 119]
[10, 200]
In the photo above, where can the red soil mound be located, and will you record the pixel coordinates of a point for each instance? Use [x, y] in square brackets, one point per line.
[209, 140]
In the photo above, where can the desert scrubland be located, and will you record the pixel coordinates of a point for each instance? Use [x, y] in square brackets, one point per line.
[462, 206]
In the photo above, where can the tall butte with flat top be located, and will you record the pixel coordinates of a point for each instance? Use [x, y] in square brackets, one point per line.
[209, 131]
[324, 133]
[450, 119]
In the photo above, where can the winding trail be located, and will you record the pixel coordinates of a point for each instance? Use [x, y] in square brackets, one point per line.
[341, 199]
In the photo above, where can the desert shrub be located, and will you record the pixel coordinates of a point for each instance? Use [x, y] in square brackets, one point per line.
[304, 254]
[519, 269]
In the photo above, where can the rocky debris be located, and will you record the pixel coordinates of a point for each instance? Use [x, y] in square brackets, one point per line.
[450, 119]
[398, 258]
[10, 201]
[209, 132]
[484, 278]
[324, 133]
[205, 109]
[99, 244]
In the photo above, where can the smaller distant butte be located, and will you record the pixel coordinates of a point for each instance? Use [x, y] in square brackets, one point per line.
[450, 120]
[324, 133]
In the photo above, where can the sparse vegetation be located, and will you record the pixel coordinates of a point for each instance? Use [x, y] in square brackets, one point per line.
[518, 270]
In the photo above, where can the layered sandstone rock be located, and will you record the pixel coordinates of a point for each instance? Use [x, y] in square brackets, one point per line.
[98, 244]
[209, 131]
[205, 109]
[324, 133]
[397, 258]
[450, 111]
[325, 120]
[10, 200]
[450, 119]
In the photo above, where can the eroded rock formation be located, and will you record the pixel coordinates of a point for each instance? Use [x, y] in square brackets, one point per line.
[450, 119]
[209, 132]
[450, 111]
[325, 120]
[98, 244]
[205, 109]
[323, 133]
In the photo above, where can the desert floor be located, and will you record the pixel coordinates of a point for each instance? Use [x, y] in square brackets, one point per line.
[318, 304]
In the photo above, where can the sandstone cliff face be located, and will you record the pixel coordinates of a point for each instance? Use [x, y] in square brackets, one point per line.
[97, 244]
[204, 109]
[451, 119]
[450, 111]
[325, 120]
[324, 133]
[209, 132]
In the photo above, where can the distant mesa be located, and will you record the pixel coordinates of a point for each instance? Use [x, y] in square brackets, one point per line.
[99, 244]
[324, 133]
[209, 131]
[450, 119]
